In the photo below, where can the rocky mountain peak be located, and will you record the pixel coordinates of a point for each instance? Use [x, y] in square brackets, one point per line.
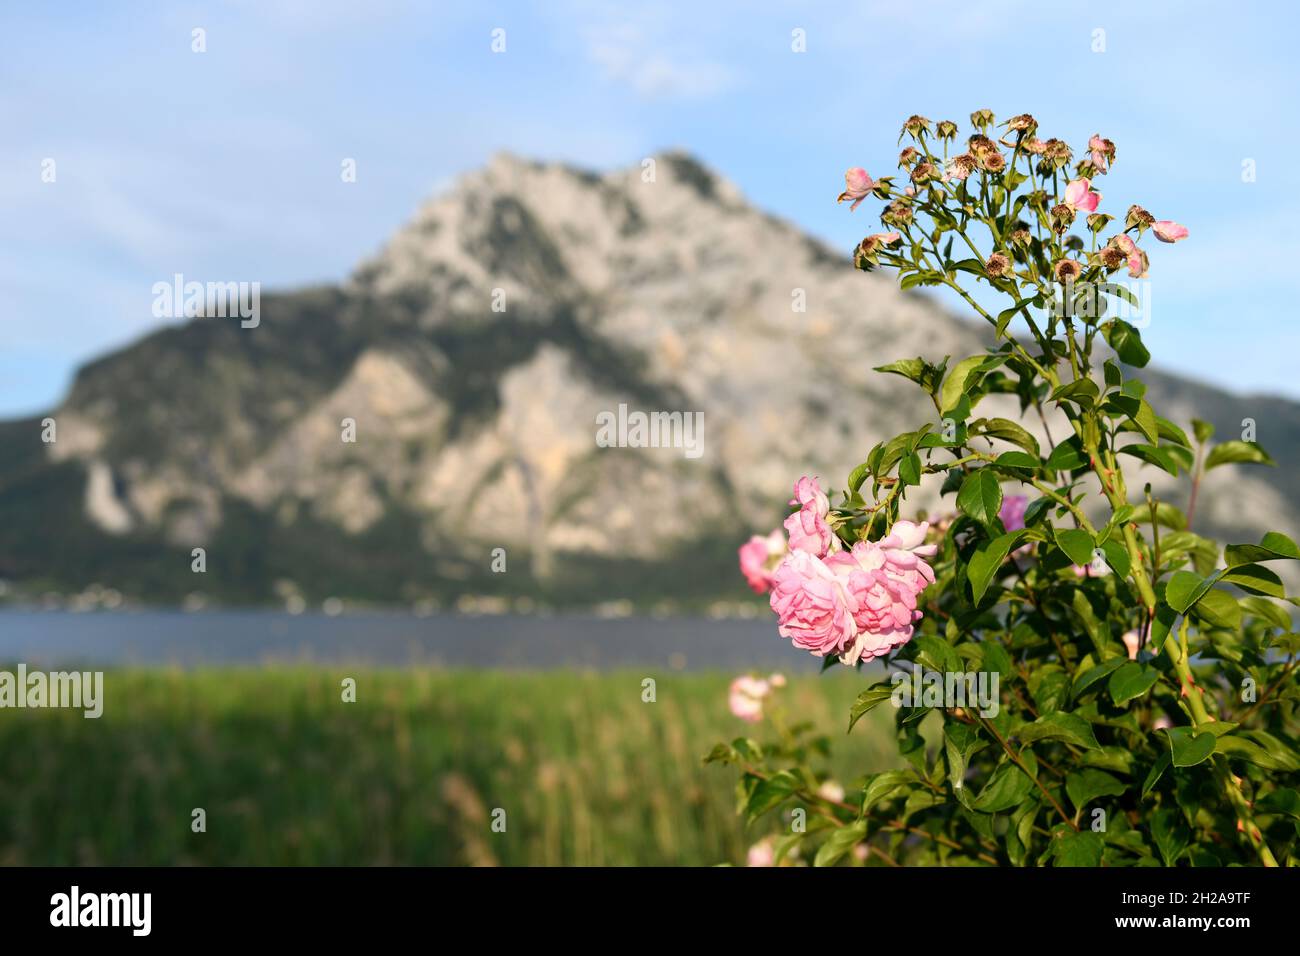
[381, 438]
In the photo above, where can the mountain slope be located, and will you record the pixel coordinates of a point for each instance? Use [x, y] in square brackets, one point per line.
[473, 355]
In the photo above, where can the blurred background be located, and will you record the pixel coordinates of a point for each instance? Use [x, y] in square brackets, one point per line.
[469, 231]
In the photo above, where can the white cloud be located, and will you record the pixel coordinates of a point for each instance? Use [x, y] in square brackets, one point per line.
[632, 55]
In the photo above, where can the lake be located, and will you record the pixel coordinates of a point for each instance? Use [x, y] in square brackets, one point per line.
[151, 637]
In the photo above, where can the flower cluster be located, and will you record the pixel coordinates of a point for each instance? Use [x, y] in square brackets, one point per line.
[855, 604]
[1127, 649]
[933, 179]
[747, 695]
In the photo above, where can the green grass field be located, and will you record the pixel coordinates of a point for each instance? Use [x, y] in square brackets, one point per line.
[287, 773]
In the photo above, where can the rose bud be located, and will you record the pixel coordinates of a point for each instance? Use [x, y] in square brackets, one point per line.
[946, 129]
[981, 119]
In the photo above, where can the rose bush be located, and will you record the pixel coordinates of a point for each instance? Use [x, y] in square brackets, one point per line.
[1146, 707]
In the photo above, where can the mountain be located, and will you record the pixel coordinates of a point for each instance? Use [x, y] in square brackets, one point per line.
[476, 355]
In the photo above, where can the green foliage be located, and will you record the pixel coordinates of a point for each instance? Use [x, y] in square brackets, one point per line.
[589, 774]
[1147, 704]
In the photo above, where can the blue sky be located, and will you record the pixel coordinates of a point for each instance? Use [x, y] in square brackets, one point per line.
[225, 165]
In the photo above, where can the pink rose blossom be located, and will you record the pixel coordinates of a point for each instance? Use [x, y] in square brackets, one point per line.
[1100, 150]
[1162, 723]
[882, 586]
[812, 605]
[1167, 230]
[758, 557]
[858, 604]
[1133, 641]
[1137, 260]
[777, 680]
[746, 697]
[1012, 512]
[1081, 196]
[807, 527]
[832, 791]
[857, 186]
[909, 536]
[762, 853]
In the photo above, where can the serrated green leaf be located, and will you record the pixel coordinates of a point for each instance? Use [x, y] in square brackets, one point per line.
[980, 496]
[1087, 785]
[1187, 747]
[1060, 726]
[840, 843]
[1131, 680]
[1236, 452]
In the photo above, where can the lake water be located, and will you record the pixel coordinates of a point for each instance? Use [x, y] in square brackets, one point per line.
[49, 638]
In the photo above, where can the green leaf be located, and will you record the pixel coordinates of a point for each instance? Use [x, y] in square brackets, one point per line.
[1171, 432]
[1008, 431]
[1219, 609]
[1162, 458]
[1083, 393]
[960, 742]
[986, 560]
[980, 496]
[1067, 456]
[1157, 770]
[1281, 801]
[771, 792]
[1131, 680]
[1076, 543]
[1203, 431]
[882, 786]
[1266, 611]
[721, 753]
[869, 699]
[1094, 674]
[1087, 785]
[1127, 343]
[1170, 834]
[840, 843]
[1006, 315]
[1187, 747]
[1005, 789]
[1185, 589]
[913, 369]
[1082, 848]
[1272, 547]
[909, 469]
[1117, 557]
[1262, 749]
[1060, 726]
[963, 377]
[1145, 420]
[1233, 452]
